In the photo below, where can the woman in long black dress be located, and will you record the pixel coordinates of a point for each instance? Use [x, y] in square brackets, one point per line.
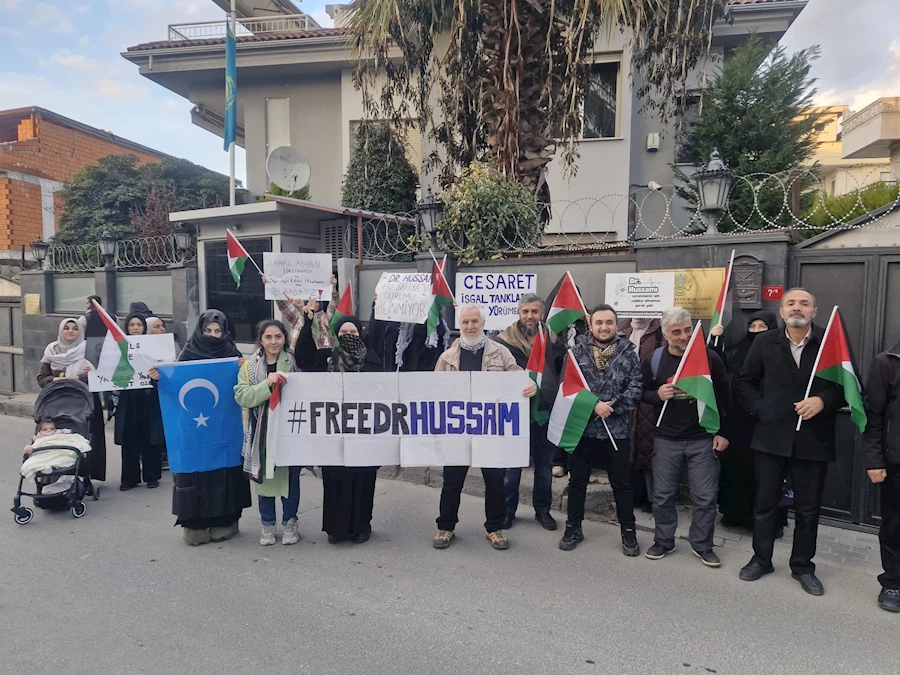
[208, 504]
[348, 491]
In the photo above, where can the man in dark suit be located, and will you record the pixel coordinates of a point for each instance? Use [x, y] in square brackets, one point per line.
[772, 388]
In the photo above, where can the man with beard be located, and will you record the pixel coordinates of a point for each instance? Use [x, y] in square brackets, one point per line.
[613, 373]
[772, 388]
[474, 352]
[518, 339]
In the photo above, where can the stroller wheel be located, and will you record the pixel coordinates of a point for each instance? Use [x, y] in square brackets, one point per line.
[96, 493]
[24, 516]
[79, 509]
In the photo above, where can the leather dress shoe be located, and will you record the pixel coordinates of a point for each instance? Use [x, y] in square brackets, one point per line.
[546, 520]
[810, 583]
[508, 521]
[754, 570]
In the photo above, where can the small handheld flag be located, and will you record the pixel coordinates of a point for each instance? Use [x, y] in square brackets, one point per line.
[123, 370]
[440, 296]
[237, 257]
[694, 378]
[722, 312]
[344, 308]
[540, 370]
[567, 306]
[572, 409]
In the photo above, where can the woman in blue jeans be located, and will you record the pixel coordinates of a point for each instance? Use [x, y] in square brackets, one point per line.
[261, 373]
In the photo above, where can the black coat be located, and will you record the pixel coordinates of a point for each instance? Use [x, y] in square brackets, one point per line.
[881, 442]
[311, 359]
[769, 386]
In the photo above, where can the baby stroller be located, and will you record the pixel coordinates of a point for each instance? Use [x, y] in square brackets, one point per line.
[69, 404]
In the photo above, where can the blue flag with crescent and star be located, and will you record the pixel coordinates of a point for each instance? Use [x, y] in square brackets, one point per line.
[202, 421]
[230, 131]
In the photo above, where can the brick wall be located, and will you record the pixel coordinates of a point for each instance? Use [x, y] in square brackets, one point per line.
[24, 215]
[5, 212]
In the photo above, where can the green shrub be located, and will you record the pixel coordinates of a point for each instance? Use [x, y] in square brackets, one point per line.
[379, 176]
[826, 212]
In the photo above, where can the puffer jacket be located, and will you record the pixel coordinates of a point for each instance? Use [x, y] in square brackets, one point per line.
[881, 442]
[622, 383]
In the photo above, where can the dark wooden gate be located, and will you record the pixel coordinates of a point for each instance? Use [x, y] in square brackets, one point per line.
[12, 365]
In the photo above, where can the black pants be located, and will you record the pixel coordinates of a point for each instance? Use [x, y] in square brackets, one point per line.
[889, 535]
[494, 500]
[808, 480]
[619, 471]
[347, 500]
[141, 461]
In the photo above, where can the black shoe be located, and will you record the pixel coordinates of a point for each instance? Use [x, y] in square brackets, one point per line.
[629, 543]
[708, 558]
[572, 537]
[889, 599]
[546, 520]
[362, 537]
[753, 571]
[779, 532]
[508, 521]
[335, 540]
[125, 487]
[152, 484]
[658, 552]
[810, 583]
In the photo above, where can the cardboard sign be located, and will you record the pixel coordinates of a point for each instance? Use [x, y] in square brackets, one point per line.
[410, 419]
[403, 297]
[142, 349]
[640, 294]
[496, 293]
[300, 275]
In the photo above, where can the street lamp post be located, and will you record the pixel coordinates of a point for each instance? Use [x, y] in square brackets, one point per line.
[184, 235]
[429, 211]
[714, 185]
[107, 245]
[39, 250]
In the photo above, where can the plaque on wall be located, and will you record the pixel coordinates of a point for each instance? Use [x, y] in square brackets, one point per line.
[747, 275]
[32, 302]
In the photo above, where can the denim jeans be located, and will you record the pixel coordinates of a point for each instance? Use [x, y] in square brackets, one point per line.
[289, 504]
[542, 460]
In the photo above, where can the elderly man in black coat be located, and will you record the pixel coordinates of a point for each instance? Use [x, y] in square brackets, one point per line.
[772, 388]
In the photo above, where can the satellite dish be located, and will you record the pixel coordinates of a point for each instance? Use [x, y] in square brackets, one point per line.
[288, 168]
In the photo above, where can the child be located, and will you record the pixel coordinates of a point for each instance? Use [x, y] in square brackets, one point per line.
[45, 428]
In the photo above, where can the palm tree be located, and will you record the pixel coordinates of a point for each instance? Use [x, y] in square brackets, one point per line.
[504, 80]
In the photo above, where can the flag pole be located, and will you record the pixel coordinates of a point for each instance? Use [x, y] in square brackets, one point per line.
[609, 433]
[678, 370]
[812, 375]
[440, 269]
[231, 145]
[249, 257]
[724, 298]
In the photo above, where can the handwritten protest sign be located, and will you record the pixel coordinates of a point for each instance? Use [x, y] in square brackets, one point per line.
[142, 349]
[298, 274]
[640, 294]
[410, 419]
[403, 297]
[497, 293]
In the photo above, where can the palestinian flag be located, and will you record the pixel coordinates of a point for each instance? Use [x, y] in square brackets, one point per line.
[540, 370]
[441, 296]
[344, 308]
[694, 378]
[114, 364]
[567, 306]
[572, 409]
[724, 305]
[835, 364]
[272, 429]
[237, 257]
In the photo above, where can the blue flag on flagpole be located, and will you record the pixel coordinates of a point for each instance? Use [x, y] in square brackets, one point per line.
[202, 421]
[230, 86]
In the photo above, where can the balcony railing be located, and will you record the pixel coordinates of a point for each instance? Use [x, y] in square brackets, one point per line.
[202, 30]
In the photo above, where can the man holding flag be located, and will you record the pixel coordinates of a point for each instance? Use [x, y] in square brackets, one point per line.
[777, 387]
[686, 382]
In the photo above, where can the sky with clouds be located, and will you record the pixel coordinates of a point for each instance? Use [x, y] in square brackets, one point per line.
[64, 55]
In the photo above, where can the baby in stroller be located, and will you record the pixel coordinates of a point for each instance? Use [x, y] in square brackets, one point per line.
[57, 458]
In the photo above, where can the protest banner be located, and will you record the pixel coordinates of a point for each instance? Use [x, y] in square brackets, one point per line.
[496, 293]
[300, 275]
[410, 419]
[640, 294]
[697, 289]
[403, 297]
[142, 350]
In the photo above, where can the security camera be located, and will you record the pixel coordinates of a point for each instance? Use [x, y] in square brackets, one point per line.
[653, 185]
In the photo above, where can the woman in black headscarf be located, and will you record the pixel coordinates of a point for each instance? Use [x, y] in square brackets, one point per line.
[348, 491]
[208, 504]
[737, 493]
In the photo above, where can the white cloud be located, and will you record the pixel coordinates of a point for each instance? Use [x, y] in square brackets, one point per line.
[84, 41]
[887, 84]
[45, 14]
[111, 87]
[81, 9]
[11, 4]
[21, 89]
[66, 59]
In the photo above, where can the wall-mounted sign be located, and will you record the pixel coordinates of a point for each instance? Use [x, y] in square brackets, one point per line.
[32, 303]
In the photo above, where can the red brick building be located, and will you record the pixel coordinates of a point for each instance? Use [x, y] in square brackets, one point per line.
[39, 151]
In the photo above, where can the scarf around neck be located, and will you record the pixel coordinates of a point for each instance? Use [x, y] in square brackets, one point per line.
[66, 355]
[478, 346]
[349, 355]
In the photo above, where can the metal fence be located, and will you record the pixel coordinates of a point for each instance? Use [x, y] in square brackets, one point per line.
[143, 253]
[200, 30]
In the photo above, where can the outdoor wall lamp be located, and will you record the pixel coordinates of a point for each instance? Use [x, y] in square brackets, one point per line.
[714, 185]
[184, 236]
[107, 245]
[429, 211]
[39, 250]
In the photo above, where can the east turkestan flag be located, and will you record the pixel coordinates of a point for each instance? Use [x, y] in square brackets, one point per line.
[237, 257]
[567, 306]
[113, 364]
[440, 297]
[835, 364]
[572, 409]
[344, 308]
[540, 370]
[230, 128]
[694, 378]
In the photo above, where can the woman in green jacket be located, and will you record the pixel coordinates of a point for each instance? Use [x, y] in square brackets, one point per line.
[257, 379]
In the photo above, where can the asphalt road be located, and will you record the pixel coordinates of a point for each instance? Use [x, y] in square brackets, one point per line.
[118, 592]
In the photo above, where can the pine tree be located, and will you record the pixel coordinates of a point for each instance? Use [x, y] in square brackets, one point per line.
[379, 176]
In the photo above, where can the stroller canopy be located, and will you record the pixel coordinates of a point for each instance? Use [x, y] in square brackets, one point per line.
[69, 403]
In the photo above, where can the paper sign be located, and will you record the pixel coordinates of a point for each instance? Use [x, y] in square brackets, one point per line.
[403, 297]
[640, 294]
[142, 349]
[497, 293]
[300, 275]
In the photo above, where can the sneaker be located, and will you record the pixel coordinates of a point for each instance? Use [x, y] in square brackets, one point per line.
[223, 533]
[559, 471]
[498, 540]
[708, 558]
[195, 537]
[571, 537]
[629, 543]
[442, 539]
[889, 599]
[267, 538]
[291, 535]
[658, 551]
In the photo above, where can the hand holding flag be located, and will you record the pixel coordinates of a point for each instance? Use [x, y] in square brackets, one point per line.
[441, 296]
[567, 306]
[722, 313]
